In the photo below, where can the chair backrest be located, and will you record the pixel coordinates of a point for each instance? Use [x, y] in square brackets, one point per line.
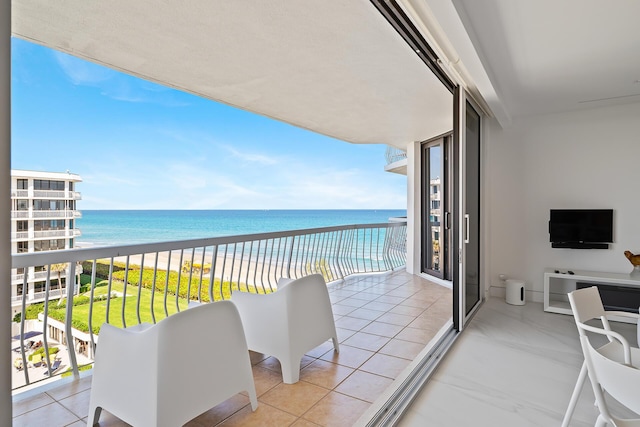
[620, 381]
[586, 304]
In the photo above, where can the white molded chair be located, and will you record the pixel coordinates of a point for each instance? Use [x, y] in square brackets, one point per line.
[289, 322]
[586, 305]
[620, 381]
[168, 373]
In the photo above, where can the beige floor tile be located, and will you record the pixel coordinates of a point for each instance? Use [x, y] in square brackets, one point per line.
[380, 306]
[383, 329]
[352, 323]
[363, 385]
[220, 412]
[365, 296]
[350, 357]
[336, 410]
[29, 404]
[396, 319]
[295, 398]
[80, 423]
[322, 348]
[325, 374]
[401, 348]
[274, 364]
[70, 389]
[402, 292]
[353, 302]
[52, 415]
[426, 323]
[256, 357]
[343, 334]
[264, 416]
[420, 336]
[407, 310]
[387, 366]
[367, 341]
[265, 379]
[364, 313]
[388, 299]
[418, 303]
[78, 403]
[304, 423]
[342, 310]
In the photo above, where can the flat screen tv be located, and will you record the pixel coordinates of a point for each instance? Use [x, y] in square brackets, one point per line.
[581, 228]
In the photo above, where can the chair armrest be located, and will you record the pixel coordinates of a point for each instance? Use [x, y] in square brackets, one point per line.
[622, 314]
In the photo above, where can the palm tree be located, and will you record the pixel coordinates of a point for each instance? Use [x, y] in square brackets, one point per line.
[59, 268]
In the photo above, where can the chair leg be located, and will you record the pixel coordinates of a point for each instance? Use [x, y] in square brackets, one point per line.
[336, 344]
[253, 399]
[576, 394]
[600, 422]
[94, 416]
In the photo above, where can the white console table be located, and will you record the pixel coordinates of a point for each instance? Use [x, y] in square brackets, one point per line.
[557, 285]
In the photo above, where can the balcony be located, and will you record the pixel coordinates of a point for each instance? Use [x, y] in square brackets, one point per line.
[396, 160]
[53, 214]
[46, 194]
[45, 234]
[385, 317]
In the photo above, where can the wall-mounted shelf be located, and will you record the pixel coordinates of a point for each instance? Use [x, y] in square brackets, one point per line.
[557, 285]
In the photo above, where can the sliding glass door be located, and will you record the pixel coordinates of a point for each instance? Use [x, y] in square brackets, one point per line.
[467, 137]
[436, 209]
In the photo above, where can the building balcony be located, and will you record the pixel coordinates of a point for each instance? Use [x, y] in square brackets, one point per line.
[46, 194]
[396, 160]
[53, 214]
[45, 234]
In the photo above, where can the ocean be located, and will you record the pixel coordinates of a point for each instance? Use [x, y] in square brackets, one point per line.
[123, 227]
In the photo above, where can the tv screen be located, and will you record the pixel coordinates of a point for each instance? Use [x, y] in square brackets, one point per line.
[578, 226]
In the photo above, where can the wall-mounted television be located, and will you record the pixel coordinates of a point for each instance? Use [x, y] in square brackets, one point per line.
[581, 228]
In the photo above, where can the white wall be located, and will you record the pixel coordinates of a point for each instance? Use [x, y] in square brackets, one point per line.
[586, 159]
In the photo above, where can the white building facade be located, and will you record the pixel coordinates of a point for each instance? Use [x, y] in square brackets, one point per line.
[43, 218]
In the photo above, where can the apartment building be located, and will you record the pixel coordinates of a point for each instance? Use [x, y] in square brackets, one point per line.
[43, 218]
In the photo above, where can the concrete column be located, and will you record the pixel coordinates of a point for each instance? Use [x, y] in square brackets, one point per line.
[5, 213]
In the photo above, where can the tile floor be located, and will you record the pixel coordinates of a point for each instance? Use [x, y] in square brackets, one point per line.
[383, 322]
[513, 366]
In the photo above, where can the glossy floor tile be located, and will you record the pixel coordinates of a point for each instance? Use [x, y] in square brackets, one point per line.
[374, 318]
[513, 366]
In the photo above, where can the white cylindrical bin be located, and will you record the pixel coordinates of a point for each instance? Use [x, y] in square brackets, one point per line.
[514, 292]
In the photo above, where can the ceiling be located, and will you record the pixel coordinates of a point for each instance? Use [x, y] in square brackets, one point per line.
[332, 66]
[550, 56]
[338, 68]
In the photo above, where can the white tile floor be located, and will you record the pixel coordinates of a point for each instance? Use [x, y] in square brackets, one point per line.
[513, 366]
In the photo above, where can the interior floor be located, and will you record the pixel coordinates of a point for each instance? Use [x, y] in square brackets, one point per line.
[513, 366]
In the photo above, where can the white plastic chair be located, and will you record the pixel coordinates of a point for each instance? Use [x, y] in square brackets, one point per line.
[586, 305]
[168, 373]
[289, 322]
[620, 381]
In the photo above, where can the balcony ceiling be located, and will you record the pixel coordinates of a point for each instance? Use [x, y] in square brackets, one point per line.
[332, 66]
[547, 56]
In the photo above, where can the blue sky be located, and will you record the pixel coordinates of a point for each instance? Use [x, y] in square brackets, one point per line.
[139, 145]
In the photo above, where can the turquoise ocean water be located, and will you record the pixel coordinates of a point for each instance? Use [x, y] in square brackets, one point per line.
[121, 227]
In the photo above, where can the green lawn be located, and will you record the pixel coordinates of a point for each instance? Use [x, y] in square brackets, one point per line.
[130, 301]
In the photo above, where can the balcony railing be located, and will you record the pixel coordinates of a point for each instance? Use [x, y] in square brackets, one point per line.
[128, 285]
[46, 214]
[45, 234]
[394, 154]
[47, 194]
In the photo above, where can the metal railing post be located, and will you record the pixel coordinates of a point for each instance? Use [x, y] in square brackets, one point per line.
[68, 333]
